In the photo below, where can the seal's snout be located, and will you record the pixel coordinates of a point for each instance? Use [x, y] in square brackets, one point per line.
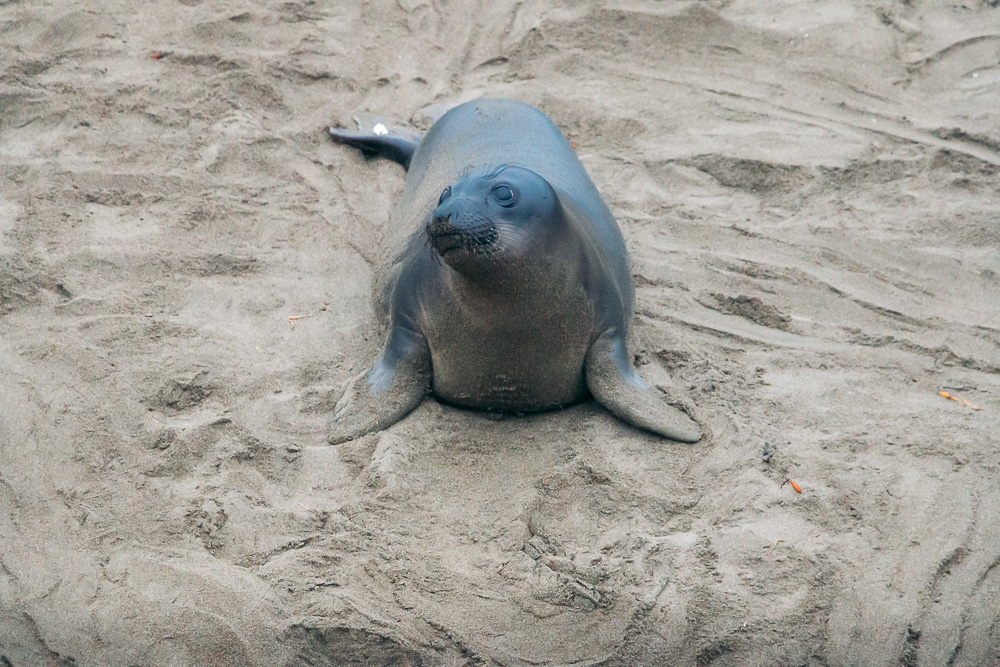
[440, 223]
[441, 219]
[442, 234]
[454, 227]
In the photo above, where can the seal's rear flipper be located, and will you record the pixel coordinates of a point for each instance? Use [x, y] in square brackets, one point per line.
[379, 398]
[393, 146]
[617, 386]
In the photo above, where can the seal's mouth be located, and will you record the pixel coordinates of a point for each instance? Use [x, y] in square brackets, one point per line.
[443, 243]
[475, 238]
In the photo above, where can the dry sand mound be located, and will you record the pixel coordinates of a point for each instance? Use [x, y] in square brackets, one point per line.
[810, 193]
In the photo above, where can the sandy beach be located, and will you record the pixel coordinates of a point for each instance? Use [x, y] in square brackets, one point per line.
[810, 193]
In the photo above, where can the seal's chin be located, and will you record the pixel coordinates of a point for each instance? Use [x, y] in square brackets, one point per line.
[447, 242]
[455, 254]
[459, 247]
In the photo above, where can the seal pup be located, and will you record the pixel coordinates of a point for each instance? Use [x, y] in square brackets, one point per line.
[512, 292]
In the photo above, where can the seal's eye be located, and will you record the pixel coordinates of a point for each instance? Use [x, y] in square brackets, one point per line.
[504, 195]
[445, 194]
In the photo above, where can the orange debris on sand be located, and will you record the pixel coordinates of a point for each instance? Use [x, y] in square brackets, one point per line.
[958, 400]
[795, 487]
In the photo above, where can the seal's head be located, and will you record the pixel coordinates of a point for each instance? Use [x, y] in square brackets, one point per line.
[490, 216]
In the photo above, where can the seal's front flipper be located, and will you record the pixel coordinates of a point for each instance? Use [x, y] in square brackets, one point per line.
[393, 146]
[617, 386]
[380, 397]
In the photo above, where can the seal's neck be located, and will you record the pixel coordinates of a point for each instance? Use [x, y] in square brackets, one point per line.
[496, 280]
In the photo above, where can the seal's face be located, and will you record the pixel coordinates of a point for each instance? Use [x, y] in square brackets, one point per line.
[490, 215]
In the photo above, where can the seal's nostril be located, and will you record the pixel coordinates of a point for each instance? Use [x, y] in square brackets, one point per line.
[442, 224]
[444, 215]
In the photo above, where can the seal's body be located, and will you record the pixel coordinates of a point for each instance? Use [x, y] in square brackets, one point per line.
[512, 292]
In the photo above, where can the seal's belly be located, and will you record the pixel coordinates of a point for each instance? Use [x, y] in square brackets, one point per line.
[513, 364]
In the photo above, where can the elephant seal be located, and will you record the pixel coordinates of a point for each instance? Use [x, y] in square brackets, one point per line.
[513, 291]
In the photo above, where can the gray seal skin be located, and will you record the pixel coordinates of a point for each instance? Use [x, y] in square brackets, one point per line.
[513, 291]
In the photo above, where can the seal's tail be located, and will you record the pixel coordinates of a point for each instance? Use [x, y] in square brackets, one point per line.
[392, 146]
